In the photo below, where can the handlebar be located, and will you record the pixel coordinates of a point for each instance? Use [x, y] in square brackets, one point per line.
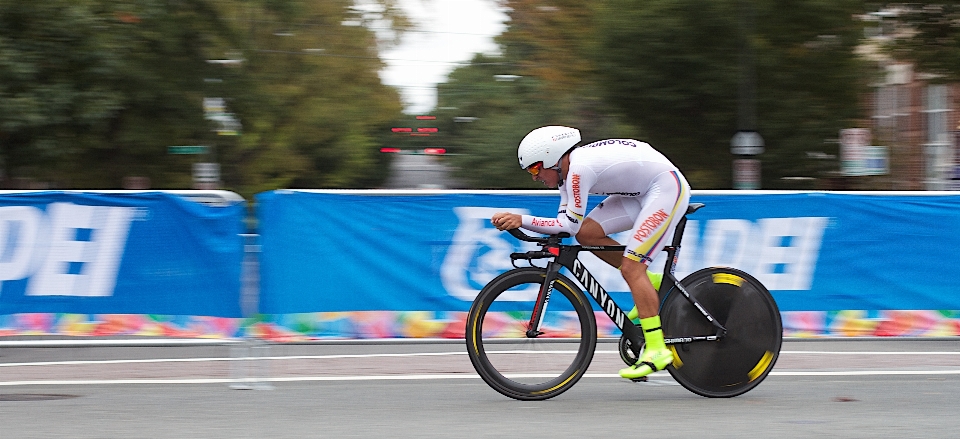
[545, 241]
[552, 239]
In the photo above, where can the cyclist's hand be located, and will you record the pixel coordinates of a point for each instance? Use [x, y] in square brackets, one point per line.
[506, 220]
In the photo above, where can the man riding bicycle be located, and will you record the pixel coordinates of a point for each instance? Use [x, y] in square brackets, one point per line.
[645, 193]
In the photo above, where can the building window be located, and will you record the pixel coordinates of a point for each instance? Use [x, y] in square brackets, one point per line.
[939, 160]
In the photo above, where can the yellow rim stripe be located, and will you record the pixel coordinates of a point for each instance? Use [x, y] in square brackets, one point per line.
[727, 278]
[476, 348]
[677, 363]
[761, 366]
[574, 373]
[579, 299]
[558, 385]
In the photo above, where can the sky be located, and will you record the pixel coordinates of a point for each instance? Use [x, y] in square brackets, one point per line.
[448, 33]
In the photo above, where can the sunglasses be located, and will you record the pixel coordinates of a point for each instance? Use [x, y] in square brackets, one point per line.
[535, 168]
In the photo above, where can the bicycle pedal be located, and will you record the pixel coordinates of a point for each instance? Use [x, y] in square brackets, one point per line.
[639, 380]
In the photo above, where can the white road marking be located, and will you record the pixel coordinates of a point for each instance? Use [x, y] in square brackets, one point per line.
[423, 377]
[871, 353]
[191, 360]
[429, 376]
[417, 354]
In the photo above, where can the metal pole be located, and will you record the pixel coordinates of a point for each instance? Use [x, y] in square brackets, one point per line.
[250, 367]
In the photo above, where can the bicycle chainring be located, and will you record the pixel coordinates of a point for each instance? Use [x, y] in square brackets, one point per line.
[626, 351]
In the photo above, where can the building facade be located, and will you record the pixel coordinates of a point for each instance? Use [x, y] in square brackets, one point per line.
[916, 118]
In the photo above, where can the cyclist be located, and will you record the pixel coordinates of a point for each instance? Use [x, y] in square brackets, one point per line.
[644, 192]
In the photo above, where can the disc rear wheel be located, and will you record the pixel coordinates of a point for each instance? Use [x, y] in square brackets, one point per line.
[746, 353]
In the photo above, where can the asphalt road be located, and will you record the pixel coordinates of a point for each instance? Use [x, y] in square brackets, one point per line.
[902, 389]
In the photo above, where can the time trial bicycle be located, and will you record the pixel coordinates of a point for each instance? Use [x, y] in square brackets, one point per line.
[530, 343]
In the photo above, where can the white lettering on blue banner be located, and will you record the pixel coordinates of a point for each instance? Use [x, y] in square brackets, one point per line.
[479, 252]
[70, 250]
[781, 253]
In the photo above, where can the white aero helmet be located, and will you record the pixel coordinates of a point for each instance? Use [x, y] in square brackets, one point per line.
[547, 145]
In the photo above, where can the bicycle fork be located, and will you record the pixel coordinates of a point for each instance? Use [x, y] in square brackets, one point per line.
[543, 299]
[593, 289]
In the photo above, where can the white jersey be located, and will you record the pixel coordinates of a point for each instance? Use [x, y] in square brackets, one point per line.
[623, 167]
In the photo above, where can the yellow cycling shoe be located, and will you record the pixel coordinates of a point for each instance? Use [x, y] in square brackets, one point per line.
[649, 362]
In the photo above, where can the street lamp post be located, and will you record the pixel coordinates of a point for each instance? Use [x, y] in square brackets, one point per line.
[747, 143]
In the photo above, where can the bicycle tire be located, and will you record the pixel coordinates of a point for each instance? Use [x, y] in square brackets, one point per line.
[530, 369]
[745, 355]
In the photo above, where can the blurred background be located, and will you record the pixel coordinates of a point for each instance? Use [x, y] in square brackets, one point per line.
[254, 95]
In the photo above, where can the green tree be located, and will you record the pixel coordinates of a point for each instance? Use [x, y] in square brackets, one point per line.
[501, 113]
[95, 90]
[668, 72]
[544, 76]
[927, 34]
[674, 66]
[90, 91]
[310, 99]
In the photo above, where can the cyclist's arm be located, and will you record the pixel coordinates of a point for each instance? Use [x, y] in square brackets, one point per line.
[573, 206]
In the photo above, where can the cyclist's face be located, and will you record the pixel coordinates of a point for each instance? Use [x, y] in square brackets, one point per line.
[549, 177]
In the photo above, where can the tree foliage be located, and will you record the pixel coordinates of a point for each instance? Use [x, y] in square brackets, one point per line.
[669, 72]
[79, 81]
[927, 34]
[95, 90]
[544, 76]
[502, 112]
[675, 67]
[312, 103]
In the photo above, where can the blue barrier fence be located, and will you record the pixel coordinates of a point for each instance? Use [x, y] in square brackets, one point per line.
[120, 253]
[354, 251]
[159, 253]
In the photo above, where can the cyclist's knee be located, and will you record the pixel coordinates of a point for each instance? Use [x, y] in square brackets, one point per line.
[591, 233]
[631, 269]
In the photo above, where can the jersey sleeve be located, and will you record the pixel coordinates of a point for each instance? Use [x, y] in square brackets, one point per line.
[573, 206]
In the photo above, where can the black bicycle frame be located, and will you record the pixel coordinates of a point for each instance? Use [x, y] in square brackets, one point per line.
[566, 256]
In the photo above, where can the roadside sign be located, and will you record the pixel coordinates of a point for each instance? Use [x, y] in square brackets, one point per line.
[746, 174]
[855, 137]
[858, 157]
[188, 149]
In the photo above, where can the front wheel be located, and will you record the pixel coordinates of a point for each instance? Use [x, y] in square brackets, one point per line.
[516, 361]
[748, 351]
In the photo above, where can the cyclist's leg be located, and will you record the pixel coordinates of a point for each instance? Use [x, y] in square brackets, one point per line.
[655, 355]
[609, 217]
[662, 207]
[615, 214]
